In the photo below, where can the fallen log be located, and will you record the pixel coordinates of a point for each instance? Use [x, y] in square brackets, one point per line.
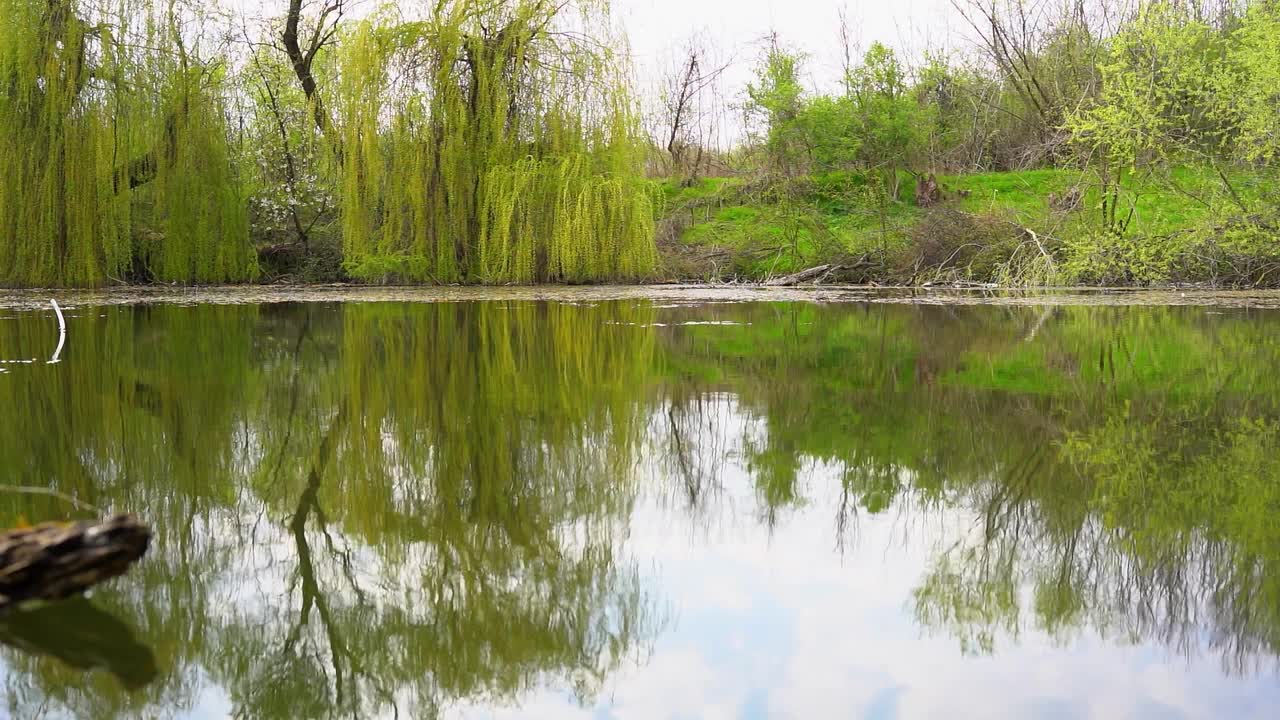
[812, 273]
[52, 561]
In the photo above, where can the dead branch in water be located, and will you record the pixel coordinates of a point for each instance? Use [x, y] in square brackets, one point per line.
[53, 561]
[812, 273]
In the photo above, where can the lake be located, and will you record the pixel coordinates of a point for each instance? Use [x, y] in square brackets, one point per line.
[622, 503]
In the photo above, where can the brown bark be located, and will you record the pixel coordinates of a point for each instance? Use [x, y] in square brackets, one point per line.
[803, 276]
[53, 561]
[928, 193]
[303, 59]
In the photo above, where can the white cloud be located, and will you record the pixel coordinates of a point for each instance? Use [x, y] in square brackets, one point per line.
[782, 626]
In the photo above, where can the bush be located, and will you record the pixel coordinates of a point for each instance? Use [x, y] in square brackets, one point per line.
[950, 244]
[1115, 259]
[1236, 252]
[1239, 253]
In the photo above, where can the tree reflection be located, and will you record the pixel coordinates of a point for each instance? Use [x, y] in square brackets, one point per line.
[403, 508]
[390, 509]
[1112, 458]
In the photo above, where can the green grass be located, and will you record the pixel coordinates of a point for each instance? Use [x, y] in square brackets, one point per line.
[768, 238]
[1161, 204]
[677, 194]
[1021, 194]
[839, 216]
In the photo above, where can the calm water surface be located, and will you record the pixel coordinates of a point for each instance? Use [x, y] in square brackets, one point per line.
[654, 509]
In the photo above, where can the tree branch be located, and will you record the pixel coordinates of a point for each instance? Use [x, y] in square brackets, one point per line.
[302, 60]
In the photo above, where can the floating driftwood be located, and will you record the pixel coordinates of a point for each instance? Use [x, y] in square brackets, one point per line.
[52, 561]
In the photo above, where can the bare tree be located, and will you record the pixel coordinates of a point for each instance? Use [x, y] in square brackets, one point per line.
[848, 50]
[691, 106]
[1046, 53]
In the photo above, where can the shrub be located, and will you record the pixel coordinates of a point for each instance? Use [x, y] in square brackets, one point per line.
[951, 244]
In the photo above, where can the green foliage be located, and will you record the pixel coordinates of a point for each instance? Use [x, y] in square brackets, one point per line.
[1254, 81]
[198, 201]
[875, 125]
[959, 105]
[1159, 102]
[1177, 90]
[499, 142]
[286, 167]
[94, 104]
[60, 222]
[1111, 259]
[774, 107]
[781, 228]
[978, 234]
[482, 145]
[831, 133]
[1171, 114]
[889, 123]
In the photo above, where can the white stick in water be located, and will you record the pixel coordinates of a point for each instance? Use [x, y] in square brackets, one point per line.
[62, 334]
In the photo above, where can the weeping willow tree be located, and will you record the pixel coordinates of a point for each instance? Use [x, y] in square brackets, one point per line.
[491, 142]
[115, 158]
[197, 199]
[59, 221]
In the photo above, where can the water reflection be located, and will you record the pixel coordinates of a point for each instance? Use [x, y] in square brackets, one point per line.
[82, 637]
[394, 509]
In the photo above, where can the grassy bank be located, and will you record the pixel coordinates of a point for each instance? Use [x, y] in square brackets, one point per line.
[1037, 227]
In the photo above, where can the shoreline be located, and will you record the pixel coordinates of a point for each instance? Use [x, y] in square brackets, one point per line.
[38, 299]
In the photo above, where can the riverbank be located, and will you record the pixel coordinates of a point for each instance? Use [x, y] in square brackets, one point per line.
[670, 293]
[1047, 227]
[987, 232]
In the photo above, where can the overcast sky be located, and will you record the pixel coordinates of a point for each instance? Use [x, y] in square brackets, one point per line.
[736, 28]
[657, 27]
